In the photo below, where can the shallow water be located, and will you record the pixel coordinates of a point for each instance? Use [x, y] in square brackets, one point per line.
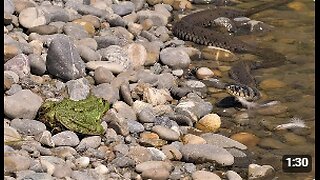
[294, 36]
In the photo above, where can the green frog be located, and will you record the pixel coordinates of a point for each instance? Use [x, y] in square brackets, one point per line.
[82, 116]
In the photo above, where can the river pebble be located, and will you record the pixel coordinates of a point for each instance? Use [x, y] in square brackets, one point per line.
[256, 171]
[112, 95]
[193, 139]
[165, 133]
[199, 153]
[23, 104]
[78, 89]
[89, 142]
[66, 138]
[19, 64]
[27, 126]
[222, 141]
[175, 58]
[13, 163]
[209, 123]
[202, 175]
[246, 138]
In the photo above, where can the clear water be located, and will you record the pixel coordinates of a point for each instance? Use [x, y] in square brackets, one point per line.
[293, 36]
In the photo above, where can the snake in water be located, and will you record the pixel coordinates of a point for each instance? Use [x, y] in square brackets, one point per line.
[193, 28]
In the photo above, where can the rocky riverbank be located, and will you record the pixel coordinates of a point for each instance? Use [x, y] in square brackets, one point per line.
[159, 125]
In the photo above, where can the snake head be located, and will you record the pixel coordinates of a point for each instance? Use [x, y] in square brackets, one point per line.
[243, 91]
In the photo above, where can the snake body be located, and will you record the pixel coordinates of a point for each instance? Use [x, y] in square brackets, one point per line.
[193, 28]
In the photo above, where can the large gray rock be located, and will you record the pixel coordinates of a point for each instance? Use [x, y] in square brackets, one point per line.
[175, 57]
[23, 104]
[27, 126]
[63, 60]
[201, 153]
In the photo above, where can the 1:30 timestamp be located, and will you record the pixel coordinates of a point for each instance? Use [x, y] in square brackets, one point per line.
[296, 163]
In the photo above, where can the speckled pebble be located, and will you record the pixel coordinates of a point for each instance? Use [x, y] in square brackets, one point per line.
[66, 138]
[27, 126]
[89, 142]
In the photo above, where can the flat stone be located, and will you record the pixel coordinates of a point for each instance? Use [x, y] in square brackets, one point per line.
[203, 175]
[66, 138]
[111, 66]
[270, 143]
[201, 153]
[44, 29]
[63, 60]
[148, 165]
[23, 104]
[222, 141]
[166, 133]
[28, 127]
[156, 174]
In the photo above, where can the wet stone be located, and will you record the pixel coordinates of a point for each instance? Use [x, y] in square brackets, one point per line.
[222, 141]
[200, 153]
